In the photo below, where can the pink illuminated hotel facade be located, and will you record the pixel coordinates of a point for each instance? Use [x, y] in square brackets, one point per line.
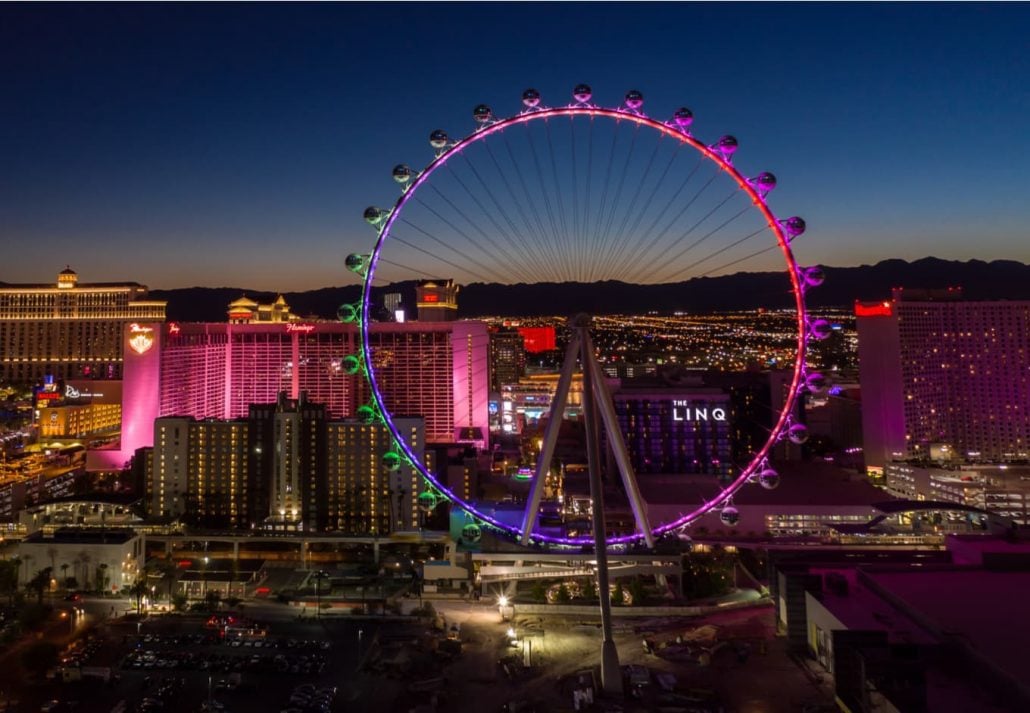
[216, 370]
[944, 378]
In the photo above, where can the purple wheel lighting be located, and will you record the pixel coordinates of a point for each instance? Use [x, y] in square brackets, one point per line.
[718, 155]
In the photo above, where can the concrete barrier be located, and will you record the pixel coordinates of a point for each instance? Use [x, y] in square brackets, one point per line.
[620, 611]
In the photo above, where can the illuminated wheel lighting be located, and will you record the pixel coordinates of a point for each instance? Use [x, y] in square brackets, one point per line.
[721, 155]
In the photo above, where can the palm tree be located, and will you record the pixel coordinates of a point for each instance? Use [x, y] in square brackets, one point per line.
[75, 563]
[39, 583]
[139, 590]
[9, 576]
[102, 577]
[167, 569]
[64, 575]
[85, 559]
[16, 561]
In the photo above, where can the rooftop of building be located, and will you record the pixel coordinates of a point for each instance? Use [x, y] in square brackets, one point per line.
[74, 536]
[920, 599]
[814, 483]
[982, 608]
[859, 608]
[78, 286]
[973, 549]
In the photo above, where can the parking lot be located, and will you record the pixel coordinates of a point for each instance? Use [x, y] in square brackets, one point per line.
[176, 663]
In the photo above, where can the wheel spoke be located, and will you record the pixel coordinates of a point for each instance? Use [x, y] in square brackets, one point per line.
[548, 203]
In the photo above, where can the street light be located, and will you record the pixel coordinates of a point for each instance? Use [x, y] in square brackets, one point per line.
[203, 578]
[505, 608]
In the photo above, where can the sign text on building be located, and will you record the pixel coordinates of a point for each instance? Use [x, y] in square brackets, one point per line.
[141, 339]
[683, 411]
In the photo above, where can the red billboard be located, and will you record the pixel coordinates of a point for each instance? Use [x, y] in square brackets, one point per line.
[538, 339]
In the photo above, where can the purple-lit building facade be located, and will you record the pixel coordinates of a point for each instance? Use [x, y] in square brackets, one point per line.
[217, 370]
[670, 430]
[944, 378]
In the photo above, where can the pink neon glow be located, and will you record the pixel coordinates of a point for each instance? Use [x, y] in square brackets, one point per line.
[677, 134]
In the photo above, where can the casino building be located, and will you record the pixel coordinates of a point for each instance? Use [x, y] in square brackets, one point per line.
[436, 370]
[675, 430]
[68, 329]
[285, 467]
[943, 378]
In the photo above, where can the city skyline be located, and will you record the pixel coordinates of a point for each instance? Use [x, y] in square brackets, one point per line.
[140, 137]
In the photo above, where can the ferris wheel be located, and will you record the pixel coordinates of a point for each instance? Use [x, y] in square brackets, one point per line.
[600, 196]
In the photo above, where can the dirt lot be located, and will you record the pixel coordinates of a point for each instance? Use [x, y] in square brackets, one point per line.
[748, 672]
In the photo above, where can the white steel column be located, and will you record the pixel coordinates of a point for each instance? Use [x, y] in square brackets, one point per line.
[611, 422]
[546, 455]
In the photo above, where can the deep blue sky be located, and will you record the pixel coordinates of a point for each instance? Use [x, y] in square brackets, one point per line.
[238, 144]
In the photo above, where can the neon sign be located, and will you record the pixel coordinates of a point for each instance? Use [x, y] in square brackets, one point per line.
[70, 392]
[141, 339]
[302, 328]
[683, 411]
[173, 328]
[883, 309]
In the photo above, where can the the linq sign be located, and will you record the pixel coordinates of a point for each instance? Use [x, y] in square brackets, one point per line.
[683, 411]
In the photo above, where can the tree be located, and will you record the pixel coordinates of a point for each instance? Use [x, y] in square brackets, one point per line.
[637, 593]
[165, 569]
[562, 596]
[138, 590]
[39, 657]
[85, 558]
[213, 598]
[102, 577]
[9, 577]
[39, 583]
[64, 574]
[539, 591]
[590, 590]
[619, 595]
[179, 602]
[25, 560]
[707, 574]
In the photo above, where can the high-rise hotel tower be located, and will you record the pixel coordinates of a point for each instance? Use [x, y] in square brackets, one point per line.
[944, 378]
[68, 329]
[434, 370]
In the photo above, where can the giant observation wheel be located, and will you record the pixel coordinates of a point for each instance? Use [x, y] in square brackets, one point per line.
[598, 196]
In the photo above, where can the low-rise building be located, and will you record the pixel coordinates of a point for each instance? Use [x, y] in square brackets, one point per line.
[107, 559]
[1002, 489]
[909, 631]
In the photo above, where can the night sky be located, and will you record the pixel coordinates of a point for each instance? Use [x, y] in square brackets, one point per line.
[196, 144]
